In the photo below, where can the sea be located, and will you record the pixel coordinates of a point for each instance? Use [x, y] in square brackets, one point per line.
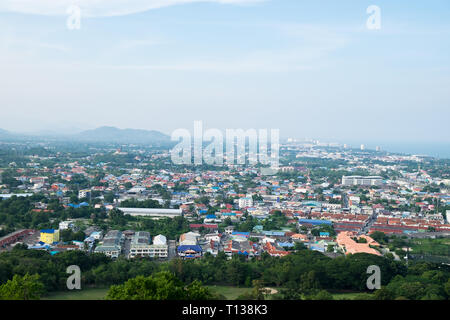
[439, 150]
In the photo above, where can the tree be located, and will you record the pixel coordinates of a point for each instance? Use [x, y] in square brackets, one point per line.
[22, 288]
[447, 288]
[384, 294]
[259, 292]
[163, 285]
[309, 283]
[322, 295]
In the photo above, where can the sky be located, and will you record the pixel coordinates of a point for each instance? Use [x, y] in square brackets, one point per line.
[312, 69]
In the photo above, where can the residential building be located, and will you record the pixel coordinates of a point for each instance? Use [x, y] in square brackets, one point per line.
[49, 236]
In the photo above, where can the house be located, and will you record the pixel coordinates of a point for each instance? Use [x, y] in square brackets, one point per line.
[241, 246]
[189, 238]
[274, 250]
[64, 225]
[229, 229]
[189, 251]
[299, 237]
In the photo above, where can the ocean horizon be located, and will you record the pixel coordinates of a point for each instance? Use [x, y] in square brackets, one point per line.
[439, 150]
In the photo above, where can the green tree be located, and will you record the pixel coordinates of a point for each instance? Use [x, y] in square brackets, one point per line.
[322, 295]
[27, 287]
[163, 285]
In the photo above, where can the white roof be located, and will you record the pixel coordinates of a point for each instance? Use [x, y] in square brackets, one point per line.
[160, 240]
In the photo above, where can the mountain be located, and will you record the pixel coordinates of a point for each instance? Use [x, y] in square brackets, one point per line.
[4, 132]
[112, 134]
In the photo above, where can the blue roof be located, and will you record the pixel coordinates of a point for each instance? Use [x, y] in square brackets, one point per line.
[196, 248]
[211, 216]
[275, 233]
[312, 221]
[321, 249]
[312, 203]
[285, 244]
[48, 231]
[83, 204]
[229, 214]
[40, 245]
[238, 233]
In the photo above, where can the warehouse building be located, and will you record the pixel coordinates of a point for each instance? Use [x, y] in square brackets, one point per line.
[156, 213]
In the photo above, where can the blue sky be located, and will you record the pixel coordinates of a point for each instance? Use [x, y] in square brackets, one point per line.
[309, 68]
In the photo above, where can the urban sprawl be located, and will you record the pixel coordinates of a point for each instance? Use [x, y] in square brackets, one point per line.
[132, 202]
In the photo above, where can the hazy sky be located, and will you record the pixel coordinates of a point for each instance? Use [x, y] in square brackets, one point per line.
[309, 68]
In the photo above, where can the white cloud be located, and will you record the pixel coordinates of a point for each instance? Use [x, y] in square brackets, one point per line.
[98, 8]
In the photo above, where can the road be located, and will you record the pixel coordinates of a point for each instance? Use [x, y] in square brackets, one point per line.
[126, 247]
[369, 223]
[172, 252]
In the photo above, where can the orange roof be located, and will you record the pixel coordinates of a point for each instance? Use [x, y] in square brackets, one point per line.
[344, 239]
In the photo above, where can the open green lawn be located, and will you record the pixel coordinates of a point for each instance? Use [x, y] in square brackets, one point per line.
[440, 247]
[83, 294]
[348, 296]
[231, 293]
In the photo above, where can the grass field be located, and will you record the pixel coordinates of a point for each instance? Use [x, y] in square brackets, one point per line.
[440, 247]
[231, 293]
[348, 296]
[83, 294]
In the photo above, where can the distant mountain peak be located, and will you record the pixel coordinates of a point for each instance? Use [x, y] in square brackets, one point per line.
[113, 134]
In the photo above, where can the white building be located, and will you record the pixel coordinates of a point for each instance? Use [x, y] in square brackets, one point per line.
[159, 251]
[140, 245]
[160, 240]
[229, 229]
[190, 238]
[245, 202]
[86, 193]
[64, 225]
[170, 213]
[361, 180]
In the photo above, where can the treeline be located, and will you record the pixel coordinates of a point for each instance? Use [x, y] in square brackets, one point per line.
[311, 274]
[17, 213]
[133, 203]
[301, 273]
[172, 228]
[342, 273]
